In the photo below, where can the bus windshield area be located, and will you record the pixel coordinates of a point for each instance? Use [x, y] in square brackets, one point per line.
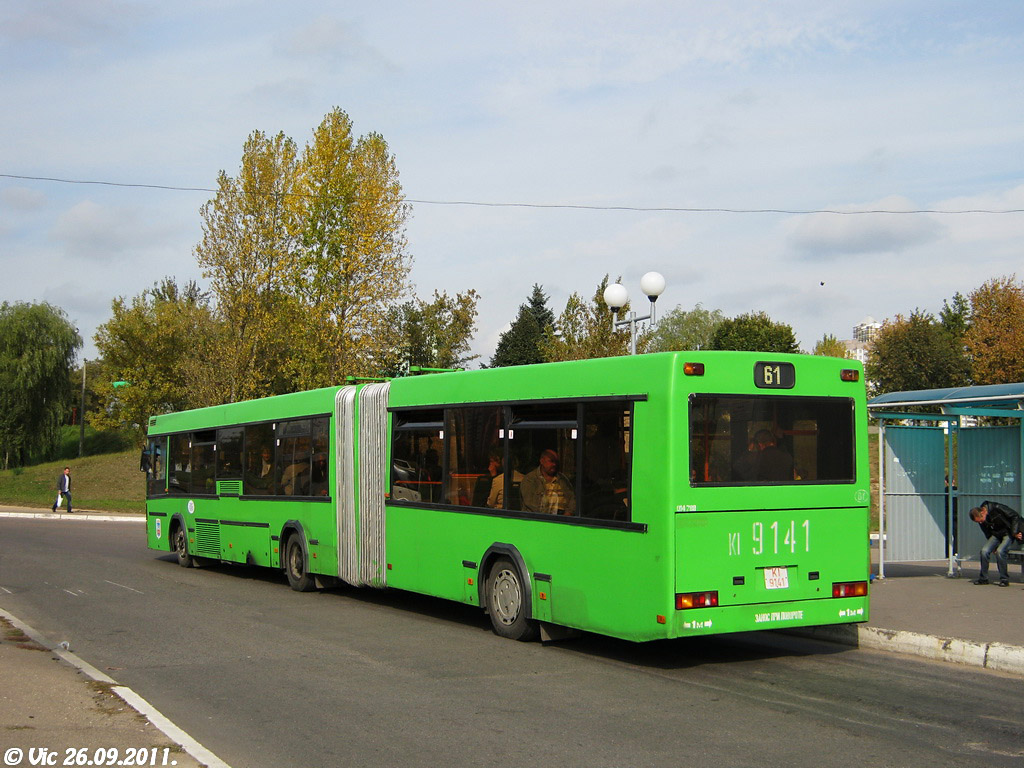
[770, 440]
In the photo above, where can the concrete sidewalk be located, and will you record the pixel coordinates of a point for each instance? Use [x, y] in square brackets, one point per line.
[51, 699]
[52, 703]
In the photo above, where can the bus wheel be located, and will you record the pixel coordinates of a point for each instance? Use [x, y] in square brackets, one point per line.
[506, 603]
[181, 547]
[299, 578]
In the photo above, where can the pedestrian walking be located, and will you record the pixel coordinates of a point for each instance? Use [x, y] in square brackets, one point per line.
[64, 489]
[1002, 526]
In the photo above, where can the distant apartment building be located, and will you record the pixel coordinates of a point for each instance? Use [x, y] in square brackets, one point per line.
[863, 334]
[866, 330]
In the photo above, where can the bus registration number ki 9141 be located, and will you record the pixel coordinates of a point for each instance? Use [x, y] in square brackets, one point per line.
[776, 578]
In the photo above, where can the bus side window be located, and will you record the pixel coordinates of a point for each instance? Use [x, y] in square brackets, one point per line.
[258, 479]
[180, 464]
[417, 450]
[475, 457]
[607, 460]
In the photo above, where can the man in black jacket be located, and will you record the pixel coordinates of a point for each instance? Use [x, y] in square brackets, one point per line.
[64, 488]
[1001, 526]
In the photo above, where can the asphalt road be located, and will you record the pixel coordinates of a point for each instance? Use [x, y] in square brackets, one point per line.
[264, 676]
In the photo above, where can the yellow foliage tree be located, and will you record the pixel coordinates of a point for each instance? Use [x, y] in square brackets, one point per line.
[248, 248]
[306, 259]
[995, 336]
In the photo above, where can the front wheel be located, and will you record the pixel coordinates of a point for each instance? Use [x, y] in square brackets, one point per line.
[299, 577]
[506, 602]
[180, 540]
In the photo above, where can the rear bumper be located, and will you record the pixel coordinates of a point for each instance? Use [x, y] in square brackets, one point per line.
[746, 618]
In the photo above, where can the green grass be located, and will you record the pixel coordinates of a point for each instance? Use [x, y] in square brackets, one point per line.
[109, 482]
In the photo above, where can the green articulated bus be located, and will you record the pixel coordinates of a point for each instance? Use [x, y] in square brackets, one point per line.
[647, 497]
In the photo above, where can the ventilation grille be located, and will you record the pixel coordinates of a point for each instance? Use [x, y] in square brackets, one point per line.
[229, 487]
[208, 538]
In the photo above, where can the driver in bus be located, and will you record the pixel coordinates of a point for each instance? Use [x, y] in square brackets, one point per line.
[547, 490]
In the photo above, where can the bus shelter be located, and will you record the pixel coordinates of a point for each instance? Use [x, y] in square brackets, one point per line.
[935, 463]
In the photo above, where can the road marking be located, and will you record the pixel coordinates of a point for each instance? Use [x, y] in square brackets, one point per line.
[71, 593]
[122, 586]
[5, 589]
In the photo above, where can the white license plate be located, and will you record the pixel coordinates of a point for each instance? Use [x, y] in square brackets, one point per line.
[776, 578]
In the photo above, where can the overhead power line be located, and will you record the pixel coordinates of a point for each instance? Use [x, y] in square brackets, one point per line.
[566, 206]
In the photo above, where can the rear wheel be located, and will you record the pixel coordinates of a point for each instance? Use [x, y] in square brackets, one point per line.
[295, 566]
[180, 541]
[506, 602]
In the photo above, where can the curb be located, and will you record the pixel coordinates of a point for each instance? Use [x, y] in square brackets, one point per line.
[998, 657]
[196, 750]
[93, 516]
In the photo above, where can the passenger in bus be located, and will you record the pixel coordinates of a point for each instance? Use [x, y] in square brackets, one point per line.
[547, 490]
[496, 469]
[319, 476]
[260, 477]
[295, 479]
[773, 463]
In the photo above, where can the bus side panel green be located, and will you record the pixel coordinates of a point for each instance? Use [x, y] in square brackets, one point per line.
[603, 580]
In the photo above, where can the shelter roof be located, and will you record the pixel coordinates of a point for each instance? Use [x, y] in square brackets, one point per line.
[996, 399]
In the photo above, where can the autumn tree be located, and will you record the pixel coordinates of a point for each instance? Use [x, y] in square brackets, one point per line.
[250, 234]
[756, 332]
[37, 348]
[351, 266]
[830, 346]
[583, 330]
[914, 353]
[684, 330]
[156, 342]
[521, 343]
[306, 258]
[995, 336]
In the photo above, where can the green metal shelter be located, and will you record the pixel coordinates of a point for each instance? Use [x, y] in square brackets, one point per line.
[936, 463]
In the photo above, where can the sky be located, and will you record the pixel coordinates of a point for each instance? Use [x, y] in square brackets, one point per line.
[736, 119]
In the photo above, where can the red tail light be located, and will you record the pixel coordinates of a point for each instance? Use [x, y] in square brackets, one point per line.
[849, 589]
[849, 374]
[696, 600]
[693, 369]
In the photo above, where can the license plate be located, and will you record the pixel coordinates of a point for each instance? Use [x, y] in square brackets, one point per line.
[776, 578]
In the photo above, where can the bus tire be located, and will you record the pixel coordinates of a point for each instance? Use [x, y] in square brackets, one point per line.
[180, 540]
[506, 602]
[295, 566]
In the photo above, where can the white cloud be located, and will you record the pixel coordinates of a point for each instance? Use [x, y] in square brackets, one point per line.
[22, 198]
[835, 235]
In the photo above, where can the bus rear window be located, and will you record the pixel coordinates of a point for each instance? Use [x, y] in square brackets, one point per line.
[766, 440]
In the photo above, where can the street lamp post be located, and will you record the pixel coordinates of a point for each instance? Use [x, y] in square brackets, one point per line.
[616, 297]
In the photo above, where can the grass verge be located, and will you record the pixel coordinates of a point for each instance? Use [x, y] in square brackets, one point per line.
[109, 482]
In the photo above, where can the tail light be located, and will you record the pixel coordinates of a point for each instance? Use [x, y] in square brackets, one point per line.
[849, 588]
[693, 369]
[849, 374]
[696, 600]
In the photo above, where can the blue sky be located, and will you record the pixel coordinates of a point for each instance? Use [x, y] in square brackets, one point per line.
[896, 106]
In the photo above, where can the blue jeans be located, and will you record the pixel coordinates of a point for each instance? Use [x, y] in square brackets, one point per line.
[999, 546]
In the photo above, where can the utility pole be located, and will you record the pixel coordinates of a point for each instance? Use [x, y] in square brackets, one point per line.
[81, 415]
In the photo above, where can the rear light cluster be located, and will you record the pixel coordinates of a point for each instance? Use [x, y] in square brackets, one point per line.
[696, 600]
[693, 369]
[849, 589]
[849, 374]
